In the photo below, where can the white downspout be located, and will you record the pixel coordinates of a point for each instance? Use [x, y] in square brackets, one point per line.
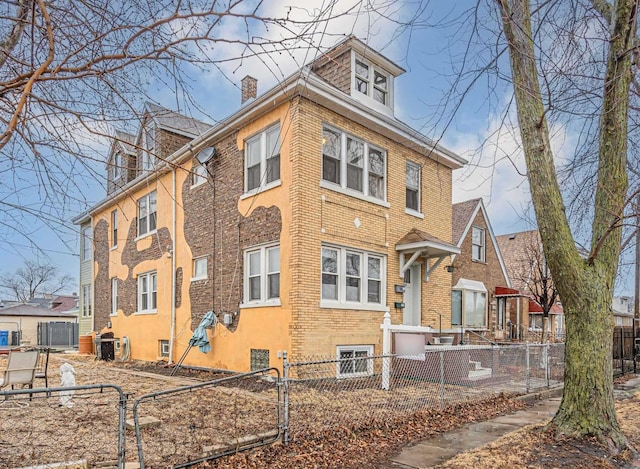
[173, 267]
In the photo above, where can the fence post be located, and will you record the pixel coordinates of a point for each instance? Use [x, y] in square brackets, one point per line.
[285, 392]
[622, 350]
[547, 361]
[386, 350]
[122, 428]
[442, 379]
[527, 370]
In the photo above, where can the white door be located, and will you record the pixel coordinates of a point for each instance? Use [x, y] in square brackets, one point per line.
[411, 316]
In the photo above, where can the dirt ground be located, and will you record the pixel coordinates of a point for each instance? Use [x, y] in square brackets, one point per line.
[355, 445]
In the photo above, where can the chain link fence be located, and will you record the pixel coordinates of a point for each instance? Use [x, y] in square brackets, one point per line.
[93, 430]
[326, 394]
[191, 424]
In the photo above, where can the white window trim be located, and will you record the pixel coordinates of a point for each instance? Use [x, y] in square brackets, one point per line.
[86, 311]
[162, 344]
[139, 293]
[341, 302]
[114, 297]
[463, 312]
[148, 233]
[484, 244]
[413, 213]
[408, 210]
[262, 136]
[196, 176]
[354, 348]
[114, 239]
[193, 267]
[264, 278]
[342, 186]
[261, 189]
[86, 235]
[368, 98]
[116, 170]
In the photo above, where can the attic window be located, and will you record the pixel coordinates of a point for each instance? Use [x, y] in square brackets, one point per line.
[148, 155]
[116, 164]
[372, 81]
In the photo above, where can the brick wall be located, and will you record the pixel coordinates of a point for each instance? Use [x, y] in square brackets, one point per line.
[216, 204]
[326, 216]
[337, 72]
[489, 272]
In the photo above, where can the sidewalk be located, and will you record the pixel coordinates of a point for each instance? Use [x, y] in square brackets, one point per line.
[437, 450]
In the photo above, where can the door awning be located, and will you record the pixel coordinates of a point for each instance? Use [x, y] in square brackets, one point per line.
[416, 244]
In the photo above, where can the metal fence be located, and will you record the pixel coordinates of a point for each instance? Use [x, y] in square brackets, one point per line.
[624, 350]
[93, 429]
[322, 395]
[191, 424]
[58, 334]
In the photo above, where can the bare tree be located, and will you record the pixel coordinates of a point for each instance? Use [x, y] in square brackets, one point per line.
[34, 279]
[72, 70]
[585, 285]
[531, 273]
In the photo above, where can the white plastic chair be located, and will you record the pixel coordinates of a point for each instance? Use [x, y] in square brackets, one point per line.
[21, 369]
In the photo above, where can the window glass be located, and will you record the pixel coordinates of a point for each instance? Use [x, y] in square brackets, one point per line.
[273, 273]
[262, 158]
[376, 173]
[355, 160]
[353, 277]
[374, 280]
[413, 186]
[254, 276]
[200, 267]
[474, 308]
[329, 274]
[456, 307]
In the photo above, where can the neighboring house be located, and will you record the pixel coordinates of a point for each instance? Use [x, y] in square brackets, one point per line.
[25, 318]
[523, 256]
[477, 272]
[622, 308]
[299, 220]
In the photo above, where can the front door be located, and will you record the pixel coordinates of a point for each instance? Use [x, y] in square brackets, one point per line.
[411, 316]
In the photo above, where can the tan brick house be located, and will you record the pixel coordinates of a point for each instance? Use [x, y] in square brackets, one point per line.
[479, 276]
[299, 220]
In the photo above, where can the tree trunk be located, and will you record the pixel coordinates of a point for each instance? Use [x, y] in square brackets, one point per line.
[585, 287]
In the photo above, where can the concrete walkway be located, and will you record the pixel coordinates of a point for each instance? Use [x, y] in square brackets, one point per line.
[440, 448]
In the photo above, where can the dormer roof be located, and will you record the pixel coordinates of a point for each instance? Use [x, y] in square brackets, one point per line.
[361, 48]
[175, 122]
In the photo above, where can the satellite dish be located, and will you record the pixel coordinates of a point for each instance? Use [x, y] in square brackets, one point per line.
[205, 155]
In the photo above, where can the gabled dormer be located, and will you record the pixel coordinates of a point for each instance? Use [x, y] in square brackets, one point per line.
[361, 72]
[161, 133]
[121, 163]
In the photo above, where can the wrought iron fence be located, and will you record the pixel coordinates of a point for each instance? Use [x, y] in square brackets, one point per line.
[324, 394]
[191, 424]
[41, 427]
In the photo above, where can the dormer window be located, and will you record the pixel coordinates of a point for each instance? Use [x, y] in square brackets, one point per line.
[116, 164]
[372, 81]
[148, 155]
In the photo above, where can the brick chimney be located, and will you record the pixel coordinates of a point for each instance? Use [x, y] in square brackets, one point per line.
[249, 88]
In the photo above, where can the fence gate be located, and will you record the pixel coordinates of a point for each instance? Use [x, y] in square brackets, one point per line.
[191, 424]
[58, 334]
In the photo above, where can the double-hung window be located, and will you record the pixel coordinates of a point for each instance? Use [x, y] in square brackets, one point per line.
[262, 275]
[372, 81]
[352, 278]
[413, 186]
[477, 244]
[147, 214]
[115, 168]
[148, 292]
[355, 165]
[114, 296]
[114, 228]
[86, 301]
[262, 159]
[87, 235]
[148, 155]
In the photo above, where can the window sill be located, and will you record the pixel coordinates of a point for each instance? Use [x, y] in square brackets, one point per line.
[478, 261]
[198, 279]
[353, 306]
[259, 190]
[351, 193]
[141, 237]
[145, 312]
[413, 213]
[193, 186]
[261, 304]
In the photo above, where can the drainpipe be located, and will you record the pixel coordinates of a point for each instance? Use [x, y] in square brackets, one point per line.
[173, 267]
[518, 318]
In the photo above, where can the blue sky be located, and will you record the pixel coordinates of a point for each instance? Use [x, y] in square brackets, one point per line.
[430, 51]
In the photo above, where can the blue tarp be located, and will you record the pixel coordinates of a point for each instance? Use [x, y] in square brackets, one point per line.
[200, 338]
